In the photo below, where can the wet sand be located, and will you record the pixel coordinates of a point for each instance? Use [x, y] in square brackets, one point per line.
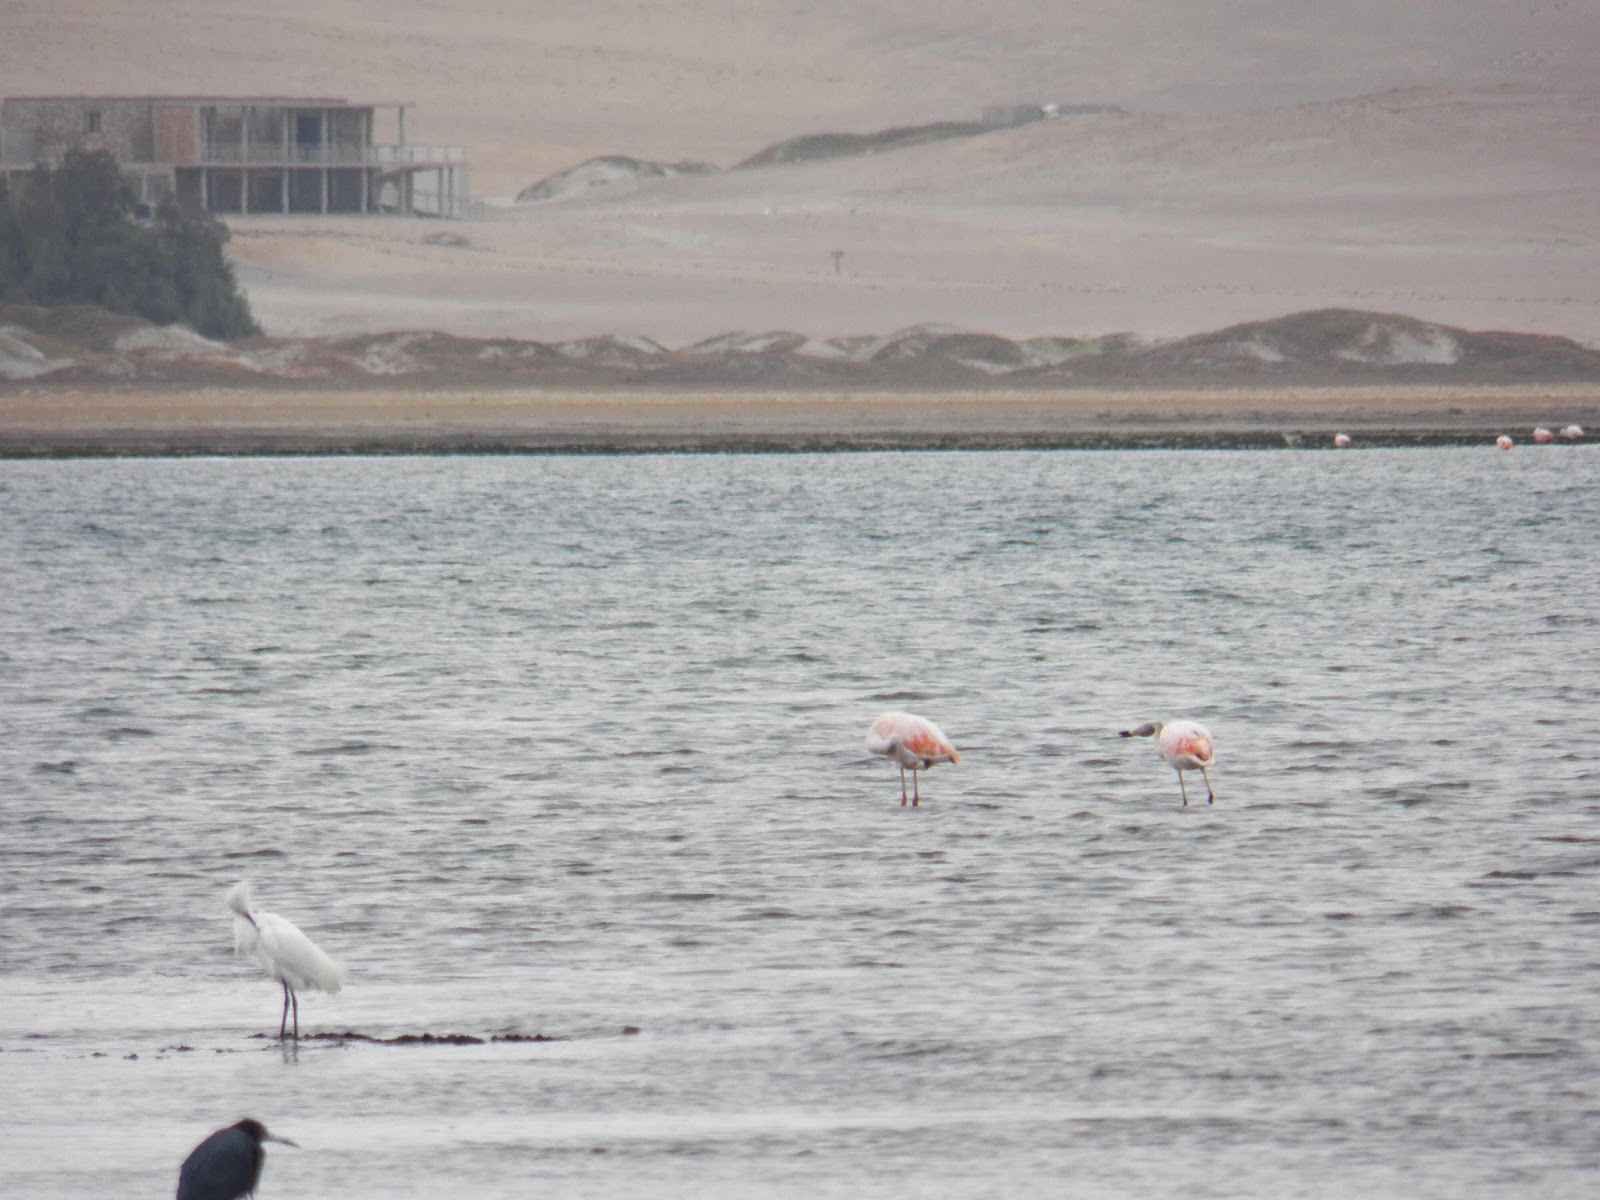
[49, 422]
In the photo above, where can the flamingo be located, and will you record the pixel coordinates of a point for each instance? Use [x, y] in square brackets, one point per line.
[288, 955]
[1573, 433]
[1504, 442]
[1341, 440]
[1186, 746]
[910, 741]
[1543, 435]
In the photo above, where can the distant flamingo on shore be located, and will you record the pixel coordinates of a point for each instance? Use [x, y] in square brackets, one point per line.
[1543, 435]
[1185, 746]
[1504, 442]
[913, 742]
[1341, 440]
[1573, 433]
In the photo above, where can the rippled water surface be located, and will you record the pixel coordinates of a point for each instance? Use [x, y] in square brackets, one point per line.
[574, 746]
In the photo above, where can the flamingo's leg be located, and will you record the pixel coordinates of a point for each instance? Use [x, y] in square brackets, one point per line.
[902, 787]
[283, 1025]
[1211, 796]
[1183, 789]
[916, 792]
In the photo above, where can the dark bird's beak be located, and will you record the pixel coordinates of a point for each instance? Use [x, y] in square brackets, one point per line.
[272, 1137]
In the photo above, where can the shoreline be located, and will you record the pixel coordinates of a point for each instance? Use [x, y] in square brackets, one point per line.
[140, 422]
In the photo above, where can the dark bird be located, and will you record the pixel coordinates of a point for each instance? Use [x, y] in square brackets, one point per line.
[227, 1164]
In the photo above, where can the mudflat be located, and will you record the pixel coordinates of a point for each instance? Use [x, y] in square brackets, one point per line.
[401, 420]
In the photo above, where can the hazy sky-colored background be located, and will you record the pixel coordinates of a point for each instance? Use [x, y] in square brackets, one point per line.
[1433, 158]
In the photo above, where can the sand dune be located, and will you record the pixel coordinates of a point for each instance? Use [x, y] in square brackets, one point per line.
[534, 90]
[1156, 223]
[1434, 159]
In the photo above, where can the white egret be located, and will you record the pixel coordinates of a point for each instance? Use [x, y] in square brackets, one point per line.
[288, 955]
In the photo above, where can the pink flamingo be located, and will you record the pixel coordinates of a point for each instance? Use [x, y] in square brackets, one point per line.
[1573, 433]
[913, 742]
[1543, 435]
[1341, 440]
[1504, 442]
[1186, 746]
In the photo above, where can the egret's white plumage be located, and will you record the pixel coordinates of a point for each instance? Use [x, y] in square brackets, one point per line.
[288, 955]
[913, 742]
[1184, 746]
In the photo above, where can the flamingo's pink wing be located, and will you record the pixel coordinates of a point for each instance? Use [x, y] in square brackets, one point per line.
[1196, 745]
[928, 744]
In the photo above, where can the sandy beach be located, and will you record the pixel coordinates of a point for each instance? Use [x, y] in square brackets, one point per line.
[398, 420]
[1440, 165]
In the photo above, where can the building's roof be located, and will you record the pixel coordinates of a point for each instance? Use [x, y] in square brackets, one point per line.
[318, 101]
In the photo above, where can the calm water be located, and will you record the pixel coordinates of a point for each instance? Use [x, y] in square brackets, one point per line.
[574, 746]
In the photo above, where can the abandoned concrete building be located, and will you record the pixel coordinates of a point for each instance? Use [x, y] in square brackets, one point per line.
[245, 155]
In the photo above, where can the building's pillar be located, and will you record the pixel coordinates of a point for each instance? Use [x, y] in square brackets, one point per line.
[327, 157]
[244, 157]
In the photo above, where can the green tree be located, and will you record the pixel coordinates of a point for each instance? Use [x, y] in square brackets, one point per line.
[70, 237]
[12, 260]
[208, 296]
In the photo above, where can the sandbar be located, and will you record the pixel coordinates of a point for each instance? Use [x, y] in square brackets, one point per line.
[53, 422]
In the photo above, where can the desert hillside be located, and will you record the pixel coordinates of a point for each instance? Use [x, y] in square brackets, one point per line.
[51, 349]
[1433, 160]
[1467, 207]
[533, 89]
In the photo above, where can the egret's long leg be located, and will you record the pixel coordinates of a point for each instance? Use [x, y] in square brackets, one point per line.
[283, 1025]
[296, 998]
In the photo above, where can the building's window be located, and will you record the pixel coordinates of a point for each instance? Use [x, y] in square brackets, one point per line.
[91, 121]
